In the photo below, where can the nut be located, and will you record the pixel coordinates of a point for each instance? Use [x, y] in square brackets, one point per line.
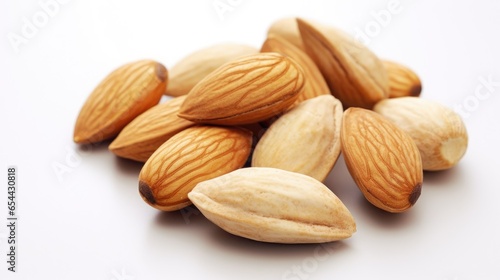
[402, 80]
[306, 139]
[439, 132]
[193, 155]
[118, 99]
[314, 84]
[354, 74]
[196, 66]
[287, 29]
[247, 90]
[146, 133]
[382, 159]
[273, 205]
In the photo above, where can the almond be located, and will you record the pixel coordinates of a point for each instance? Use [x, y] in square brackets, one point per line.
[382, 159]
[438, 131]
[306, 139]
[193, 155]
[118, 99]
[193, 68]
[287, 28]
[273, 205]
[146, 133]
[354, 74]
[247, 90]
[402, 80]
[314, 84]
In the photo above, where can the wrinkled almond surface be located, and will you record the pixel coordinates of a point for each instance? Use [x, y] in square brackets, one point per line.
[382, 159]
[402, 80]
[118, 99]
[247, 90]
[193, 155]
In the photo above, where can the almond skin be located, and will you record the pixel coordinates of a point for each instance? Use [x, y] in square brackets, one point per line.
[193, 68]
[315, 84]
[305, 139]
[402, 80]
[146, 133]
[354, 74]
[438, 131]
[382, 159]
[274, 205]
[193, 155]
[123, 95]
[287, 29]
[247, 90]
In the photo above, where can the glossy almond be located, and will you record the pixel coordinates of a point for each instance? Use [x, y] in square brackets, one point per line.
[193, 68]
[439, 132]
[402, 80]
[146, 133]
[274, 205]
[354, 74]
[191, 156]
[286, 28]
[123, 95]
[314, 84]
[382, 159]
[247, 90]
[305, 139]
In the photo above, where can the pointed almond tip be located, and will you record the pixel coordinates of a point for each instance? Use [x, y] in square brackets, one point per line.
[146, 193]
[415, 194]
[161, 72]
[416, 90]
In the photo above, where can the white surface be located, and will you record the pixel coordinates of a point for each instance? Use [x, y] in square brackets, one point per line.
[90, 223]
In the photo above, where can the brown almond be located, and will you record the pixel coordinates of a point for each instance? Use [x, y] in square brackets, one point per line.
[402, 80]
[247, 90]
[287, 28]
[354, 74]
[382, 159]
[123, 95]
[191, 156]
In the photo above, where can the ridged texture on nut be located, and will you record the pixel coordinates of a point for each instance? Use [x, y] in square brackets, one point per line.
[287, 29]
[247, 90]
[438, 131]
[354, 74]
[314, 84]
[382, 159]
[146, 133]
[118, 99]
[306, 139]
[274, 205]
[190, 70]
[402, 80]
[193, 155]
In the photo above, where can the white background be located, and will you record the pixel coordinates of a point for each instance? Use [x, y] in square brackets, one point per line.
[90, 223]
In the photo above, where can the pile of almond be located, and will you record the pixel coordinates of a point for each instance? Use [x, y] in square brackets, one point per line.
[250, 135]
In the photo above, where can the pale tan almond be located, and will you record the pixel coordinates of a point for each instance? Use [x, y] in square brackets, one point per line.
[123, 95]
[193, 68]
[306, 139]
[142, 136]
[314, 84]
[193, 155]
[382, 159]
[274, 205]
[287, 28]
[354, 74]
[246, 90]
[438, 131]
[402, 80]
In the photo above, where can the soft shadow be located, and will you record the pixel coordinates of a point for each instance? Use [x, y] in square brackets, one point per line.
[236, 244]
[94, 147]
[386, 219]
[443, 177]
[128, 166]
[189, 215]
